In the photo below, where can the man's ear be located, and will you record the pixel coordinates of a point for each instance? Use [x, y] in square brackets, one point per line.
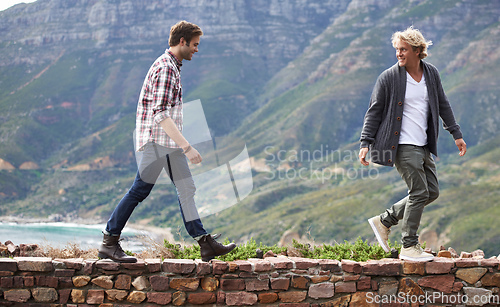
[182, 41]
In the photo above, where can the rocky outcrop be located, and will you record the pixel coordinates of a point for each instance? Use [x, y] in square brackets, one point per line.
[9, 249]
[29, 165]
[282, 28]
[98, 163]
[5, 165]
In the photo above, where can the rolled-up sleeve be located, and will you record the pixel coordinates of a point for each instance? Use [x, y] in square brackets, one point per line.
[163, 93]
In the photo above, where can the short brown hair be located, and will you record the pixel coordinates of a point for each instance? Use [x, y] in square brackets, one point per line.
[183, 29]
[414, 38]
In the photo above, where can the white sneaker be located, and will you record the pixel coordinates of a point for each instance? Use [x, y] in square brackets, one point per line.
[415, 253]
[381, 232]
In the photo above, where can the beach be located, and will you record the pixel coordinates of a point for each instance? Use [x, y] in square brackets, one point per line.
[85, 233]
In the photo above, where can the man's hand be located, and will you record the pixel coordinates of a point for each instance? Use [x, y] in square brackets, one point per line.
[362, 155]
[193, 155]
[461, 146]
[171, 130]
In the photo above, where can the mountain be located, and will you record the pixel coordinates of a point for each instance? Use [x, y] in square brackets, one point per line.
[71, 72]
[317, 102]
[321, 96]
[292, 78]
[80, 64]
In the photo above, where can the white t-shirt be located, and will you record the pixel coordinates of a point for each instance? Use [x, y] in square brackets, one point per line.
[415, 113]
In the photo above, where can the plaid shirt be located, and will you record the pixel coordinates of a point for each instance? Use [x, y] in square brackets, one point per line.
[161, 98]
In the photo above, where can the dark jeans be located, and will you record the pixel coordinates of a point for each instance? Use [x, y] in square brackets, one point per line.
[155, 158]
[418, 169]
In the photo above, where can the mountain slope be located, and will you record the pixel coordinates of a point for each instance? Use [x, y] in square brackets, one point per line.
[337, 209]
[72, 68]
[291, 78]
[320, 97]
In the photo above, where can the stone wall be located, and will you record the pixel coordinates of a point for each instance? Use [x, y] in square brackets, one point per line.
[283, 281]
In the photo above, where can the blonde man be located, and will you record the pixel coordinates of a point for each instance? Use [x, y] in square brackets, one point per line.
[401, 128]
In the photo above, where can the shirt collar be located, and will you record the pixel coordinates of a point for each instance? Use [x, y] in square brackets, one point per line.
[176, 60]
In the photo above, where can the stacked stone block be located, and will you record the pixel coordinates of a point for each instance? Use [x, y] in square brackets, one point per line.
[283, 281]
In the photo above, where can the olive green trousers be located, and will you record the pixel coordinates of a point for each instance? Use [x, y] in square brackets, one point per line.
[418, 169]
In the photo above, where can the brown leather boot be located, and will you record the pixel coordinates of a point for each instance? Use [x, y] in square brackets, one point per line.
[210, 248]
[110, 248]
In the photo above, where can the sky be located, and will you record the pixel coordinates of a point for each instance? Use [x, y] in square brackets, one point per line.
[5, 4]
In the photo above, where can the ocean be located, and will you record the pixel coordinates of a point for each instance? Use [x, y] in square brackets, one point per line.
[60, 234]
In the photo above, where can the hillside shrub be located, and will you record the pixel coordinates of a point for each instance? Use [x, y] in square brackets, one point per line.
[358, 251]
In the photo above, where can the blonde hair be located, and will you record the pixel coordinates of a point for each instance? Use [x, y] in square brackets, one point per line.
[414, 38]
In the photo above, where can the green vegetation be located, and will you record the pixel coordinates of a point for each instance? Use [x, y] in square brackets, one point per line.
[249, 250]
[357, 251]
[241, 252]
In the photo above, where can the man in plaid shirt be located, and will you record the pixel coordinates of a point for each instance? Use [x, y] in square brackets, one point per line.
[159, 137]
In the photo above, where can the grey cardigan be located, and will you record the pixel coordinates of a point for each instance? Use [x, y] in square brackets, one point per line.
[382, 122]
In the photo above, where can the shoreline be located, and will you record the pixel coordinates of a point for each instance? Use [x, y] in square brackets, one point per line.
[153, 232]
[49, 219]
[158, 232]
